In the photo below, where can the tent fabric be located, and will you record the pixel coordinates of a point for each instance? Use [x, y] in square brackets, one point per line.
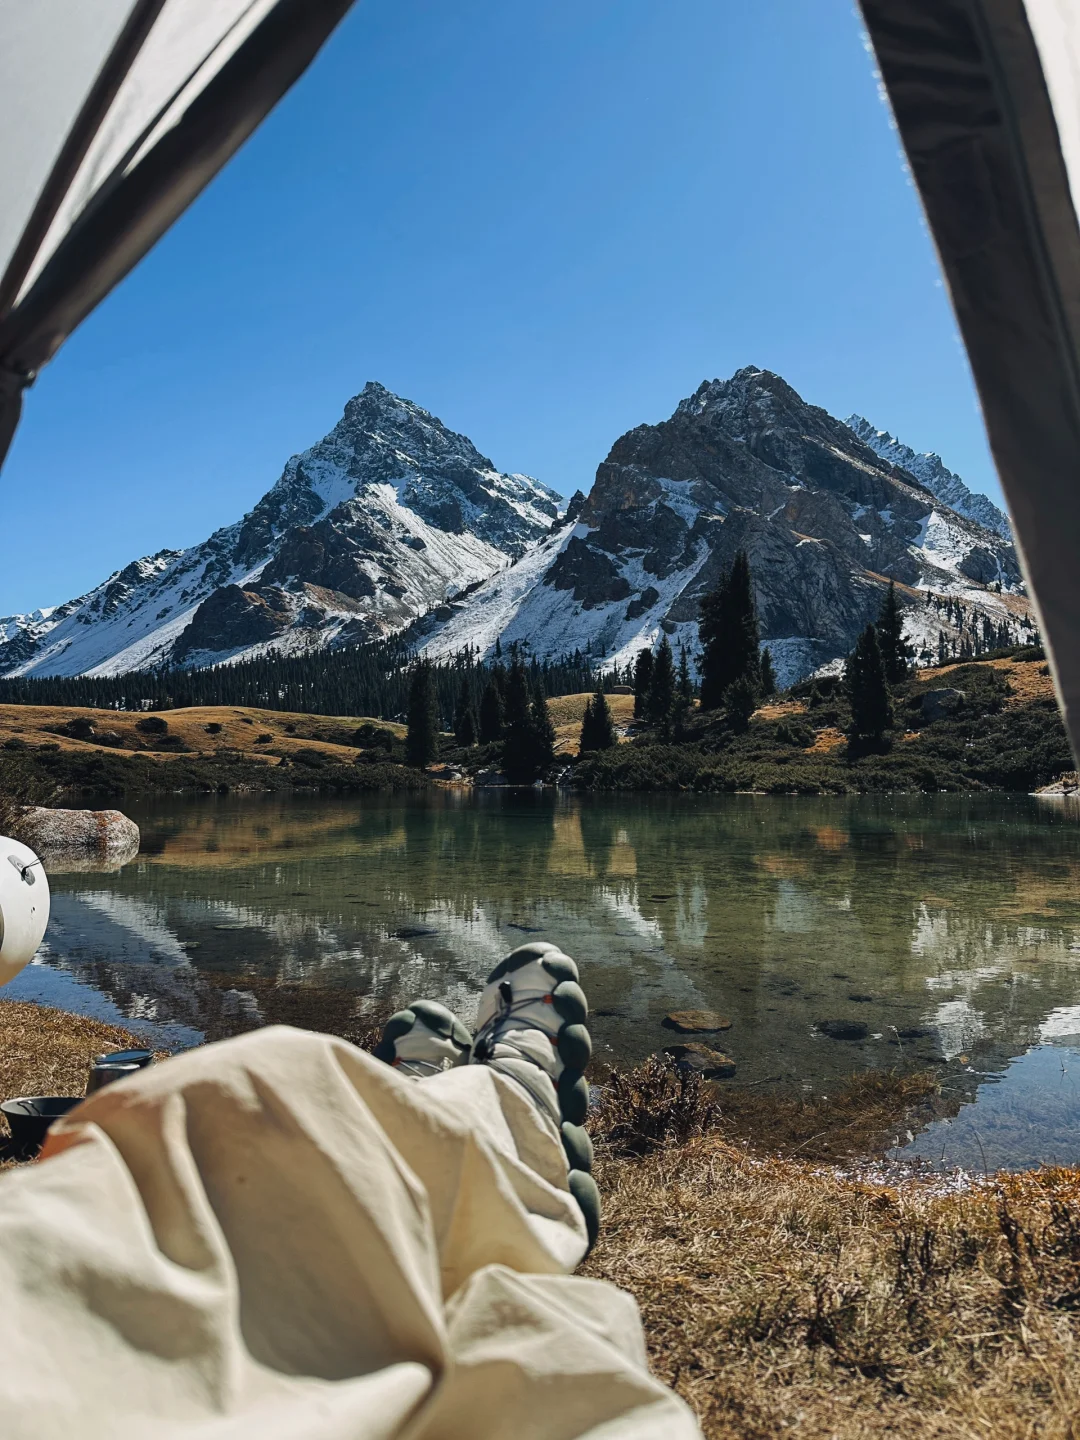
[278, 1236]
[116, 114]
[986, 95]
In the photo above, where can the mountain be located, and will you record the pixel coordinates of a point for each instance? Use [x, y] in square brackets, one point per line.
[394, 523]
[384, 518]
[930, 471]
[745, 463]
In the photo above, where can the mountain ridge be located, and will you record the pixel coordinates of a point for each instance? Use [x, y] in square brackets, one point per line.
[362, 532]
[393, 523]
[745, 463]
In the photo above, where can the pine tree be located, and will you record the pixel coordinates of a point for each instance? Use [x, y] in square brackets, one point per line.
[729, 635]
[597, 726]
[543, 734]
[491, 714]
[684, 692]
[740, 702]
[422, 737]
[643, 673]
[895, 651]
[465, 722]
[519, 750]
[661, 698]
[768, 674]
[868, 691]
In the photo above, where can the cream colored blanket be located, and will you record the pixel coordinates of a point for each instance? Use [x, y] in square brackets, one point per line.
[278, 1236]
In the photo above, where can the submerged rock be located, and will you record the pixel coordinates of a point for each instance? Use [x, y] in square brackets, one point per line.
[708, 1063]
[844, 1029]
[695, 1022]
[98, 832]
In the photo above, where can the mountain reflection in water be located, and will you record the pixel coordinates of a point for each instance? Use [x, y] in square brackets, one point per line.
[949, 926]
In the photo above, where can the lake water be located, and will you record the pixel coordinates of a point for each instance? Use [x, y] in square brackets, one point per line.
[948, 926]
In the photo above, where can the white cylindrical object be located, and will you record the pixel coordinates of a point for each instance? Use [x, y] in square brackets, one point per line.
[24, 906]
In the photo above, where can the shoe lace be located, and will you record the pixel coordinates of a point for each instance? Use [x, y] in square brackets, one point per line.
[487, 1036]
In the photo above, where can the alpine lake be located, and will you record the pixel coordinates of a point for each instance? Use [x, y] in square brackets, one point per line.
[945, 928]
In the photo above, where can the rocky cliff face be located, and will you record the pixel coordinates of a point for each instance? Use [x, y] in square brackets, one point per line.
[386, 517]
[746, 464]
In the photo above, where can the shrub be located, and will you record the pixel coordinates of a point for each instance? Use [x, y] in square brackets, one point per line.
[152, 725]
[20, 785]
[80, 727]
[658, 1104]
[372, 737]
[214, 728]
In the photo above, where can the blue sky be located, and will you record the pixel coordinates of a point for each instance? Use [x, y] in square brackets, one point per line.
[545, 223]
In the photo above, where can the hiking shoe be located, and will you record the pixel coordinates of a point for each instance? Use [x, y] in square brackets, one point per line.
[530, 1026]
[423, 1040]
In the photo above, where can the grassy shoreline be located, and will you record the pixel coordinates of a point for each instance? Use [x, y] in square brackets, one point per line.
[1004, 733]
[788, 1287]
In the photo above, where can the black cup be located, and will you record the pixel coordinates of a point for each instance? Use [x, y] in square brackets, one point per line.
[29, 1118]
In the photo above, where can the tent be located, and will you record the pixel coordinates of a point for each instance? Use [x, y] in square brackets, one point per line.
[115, 114]
[986, 97]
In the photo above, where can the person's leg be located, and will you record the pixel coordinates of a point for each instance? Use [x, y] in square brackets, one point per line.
[279, 1235]
[530, 1029]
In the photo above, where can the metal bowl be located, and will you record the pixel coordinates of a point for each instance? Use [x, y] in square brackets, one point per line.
[29, 1118]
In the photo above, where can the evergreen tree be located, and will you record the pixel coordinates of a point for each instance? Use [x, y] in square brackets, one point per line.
[643, 673]
[543, 734]
[661, 697]
[422, 737]
[728, 629]
[465, 722]
[519, 748]
[597, 726]
[740, 702]
[768, 674]
[685, 687]
[868, 691]
[491, 713]
[895, 651]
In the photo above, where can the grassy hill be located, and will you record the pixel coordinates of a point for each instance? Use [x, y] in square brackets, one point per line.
[110, 752]
[1005, 733]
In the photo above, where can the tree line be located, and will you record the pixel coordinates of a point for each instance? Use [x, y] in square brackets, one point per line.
[369, 679]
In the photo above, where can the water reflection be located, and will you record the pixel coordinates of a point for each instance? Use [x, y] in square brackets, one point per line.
[948, 926]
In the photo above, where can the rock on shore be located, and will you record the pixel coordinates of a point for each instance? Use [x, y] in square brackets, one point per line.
[98, 832]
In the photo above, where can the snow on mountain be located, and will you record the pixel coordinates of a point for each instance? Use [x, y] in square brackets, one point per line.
[930, 471]
[392, 522]
[384, 518]
[744, 463]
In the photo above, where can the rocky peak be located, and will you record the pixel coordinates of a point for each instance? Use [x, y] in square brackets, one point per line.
[930, 470]
[745, 463]
[375, 524]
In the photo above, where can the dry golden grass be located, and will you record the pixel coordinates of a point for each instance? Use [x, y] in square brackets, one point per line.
[48, 1052]
[780, 710]
[240, 730]
[828, 739]
[783, 1298]
[568, 711]
[1029, 679]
